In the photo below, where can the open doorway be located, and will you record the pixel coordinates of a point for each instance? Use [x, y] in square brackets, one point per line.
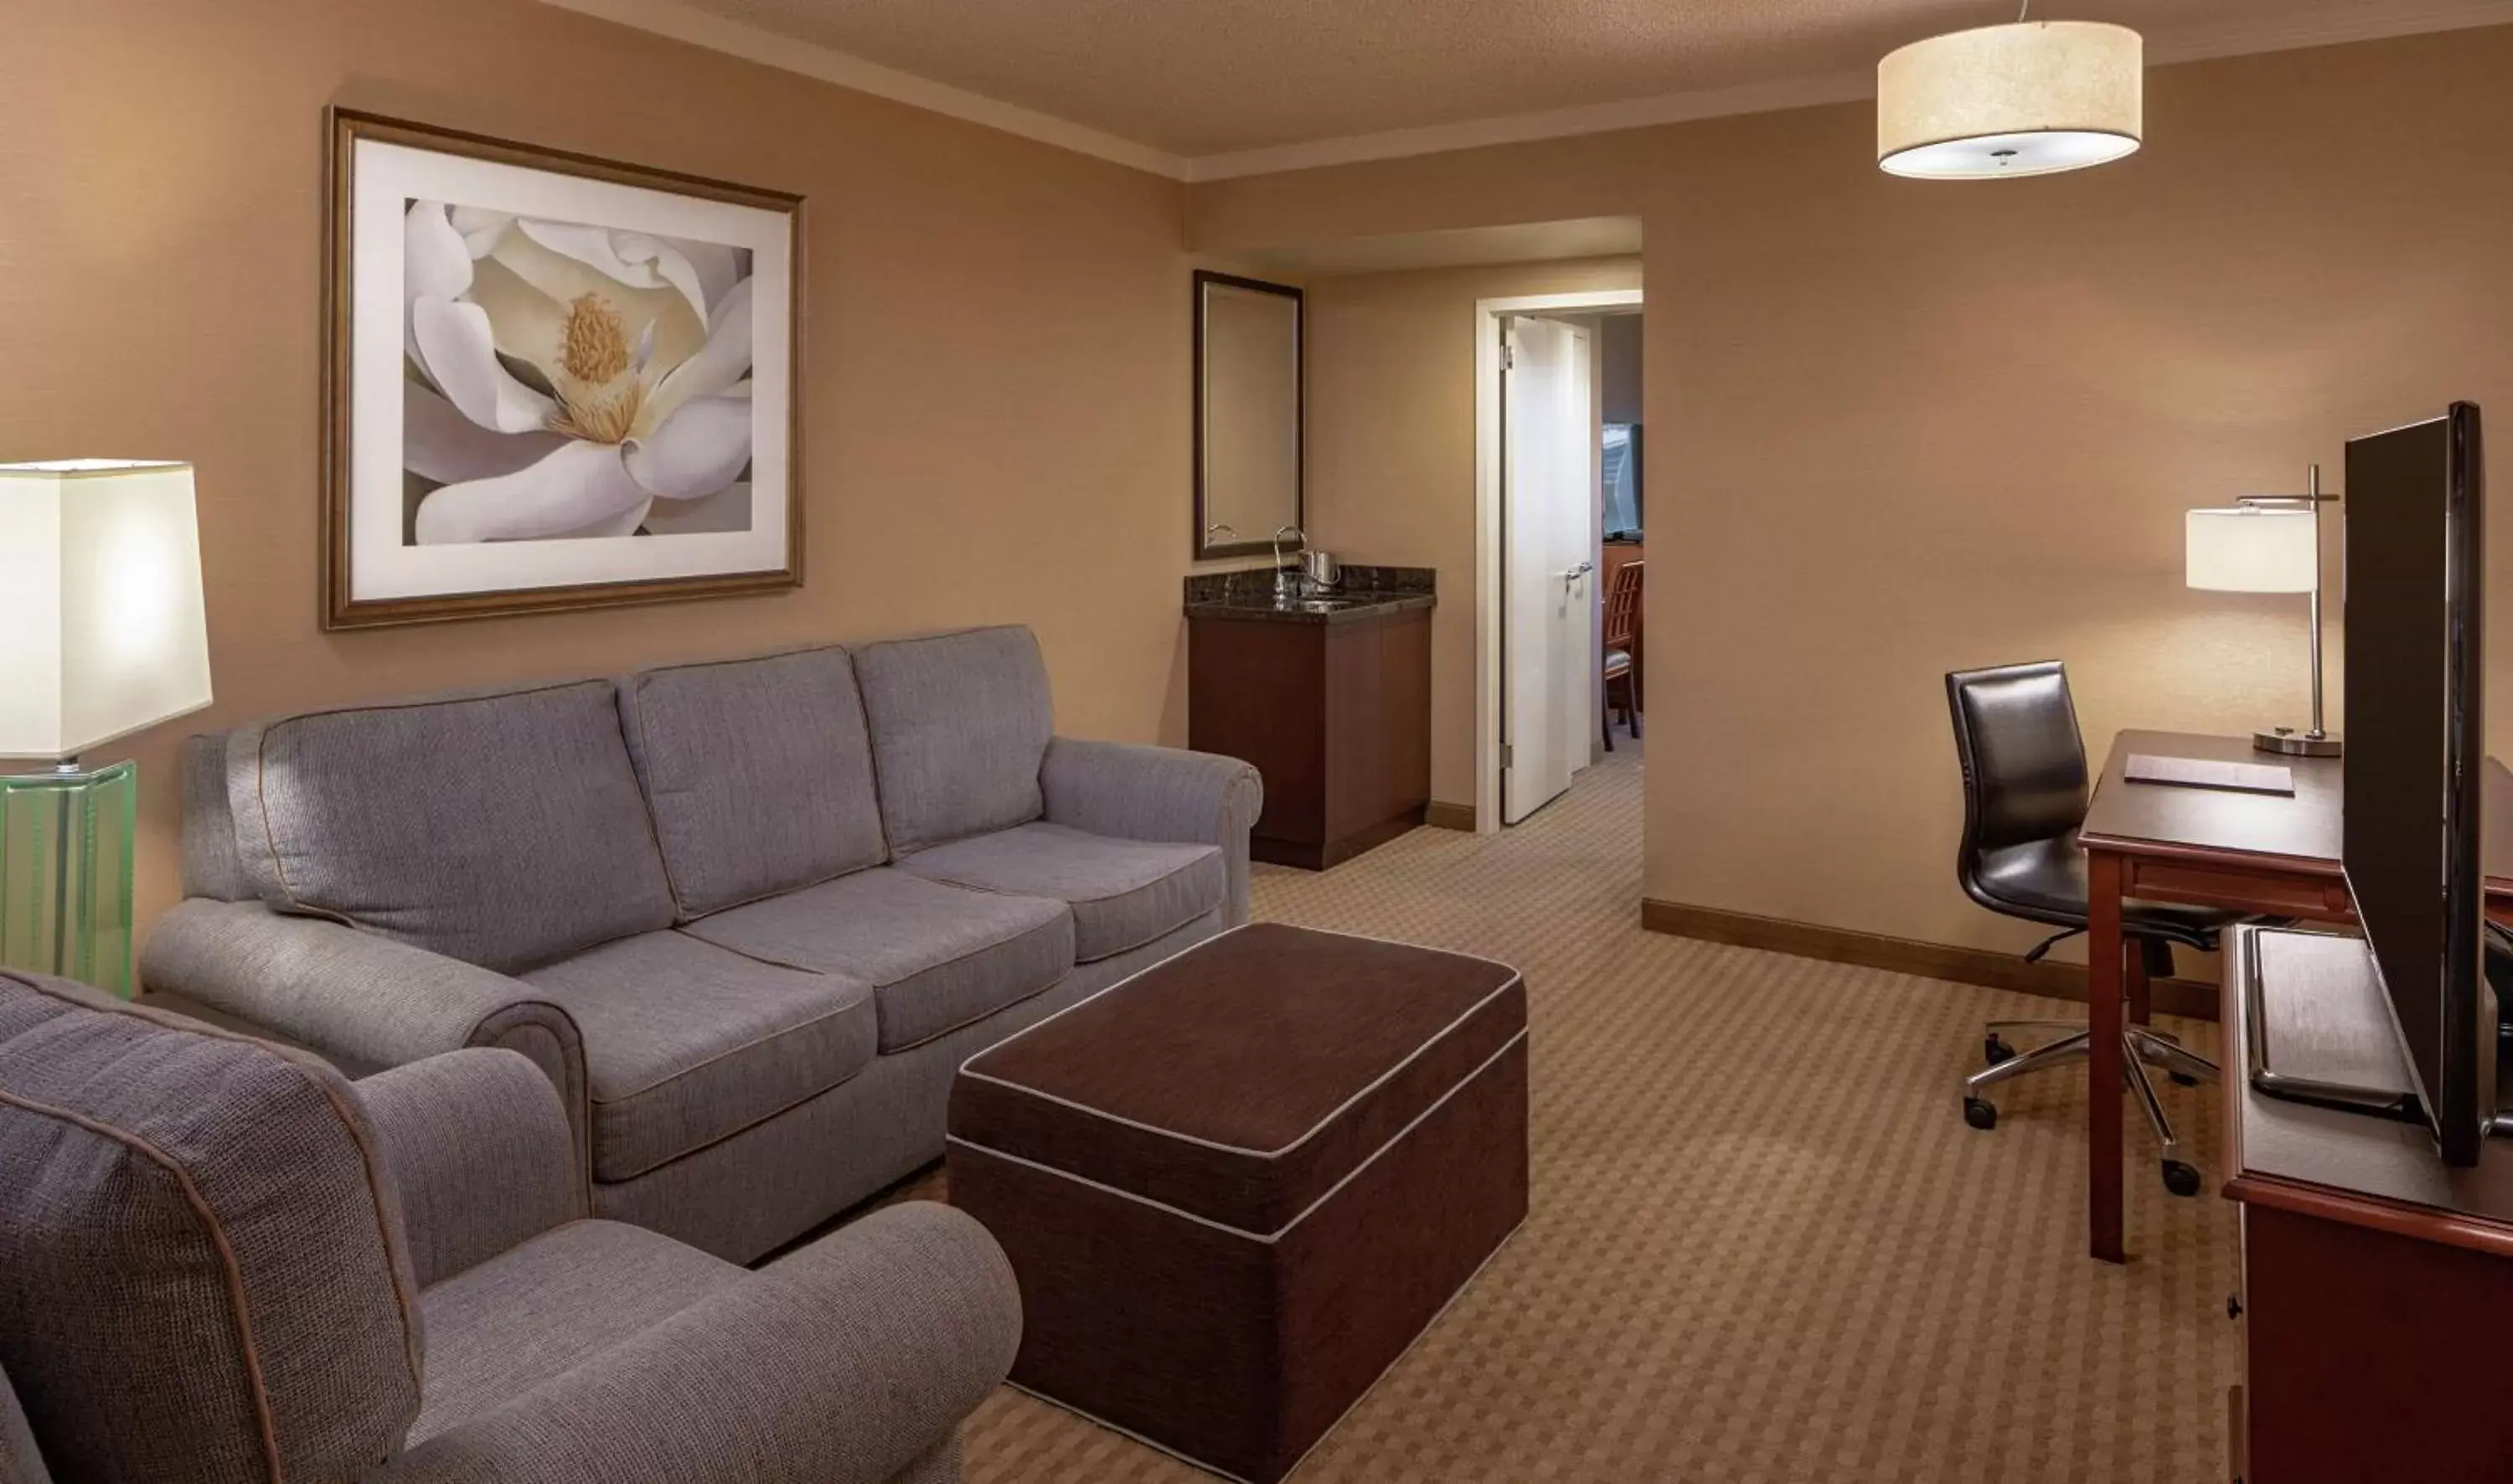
[1621, 508]
[1543, 512]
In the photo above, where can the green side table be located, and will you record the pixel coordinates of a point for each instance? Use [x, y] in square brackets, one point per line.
[66, 850]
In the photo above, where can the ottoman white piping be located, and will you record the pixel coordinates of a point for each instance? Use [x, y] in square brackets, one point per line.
[1338, 1112]
[1269, 1238]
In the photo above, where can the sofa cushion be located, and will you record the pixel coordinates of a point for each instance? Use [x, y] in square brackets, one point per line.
[1124, 893]
[960, 724]
[937, 957]
[505, 829]
[211, 866]
[758, 773]
[202, 1266]
[685, 1043]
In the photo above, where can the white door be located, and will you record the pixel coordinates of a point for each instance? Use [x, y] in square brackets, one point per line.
[1548, 475]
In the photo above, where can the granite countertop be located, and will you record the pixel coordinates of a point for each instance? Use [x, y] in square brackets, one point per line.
[1365, 592]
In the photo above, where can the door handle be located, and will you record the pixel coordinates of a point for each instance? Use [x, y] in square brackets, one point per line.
[1570, 578]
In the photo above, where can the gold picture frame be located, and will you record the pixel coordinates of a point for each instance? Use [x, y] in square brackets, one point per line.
[526, 415]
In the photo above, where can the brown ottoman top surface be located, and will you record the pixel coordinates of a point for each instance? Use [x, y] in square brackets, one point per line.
[1242, 1080]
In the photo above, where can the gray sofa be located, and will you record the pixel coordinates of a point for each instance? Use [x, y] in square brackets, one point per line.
[221, 1262]
[749, 917]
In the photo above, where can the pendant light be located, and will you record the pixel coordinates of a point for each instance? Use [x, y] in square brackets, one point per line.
[2030, 99]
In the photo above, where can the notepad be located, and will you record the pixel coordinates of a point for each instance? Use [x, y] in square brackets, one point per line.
[2209, 773]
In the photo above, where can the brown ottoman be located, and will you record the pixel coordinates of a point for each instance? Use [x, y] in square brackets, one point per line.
[1238, 1185]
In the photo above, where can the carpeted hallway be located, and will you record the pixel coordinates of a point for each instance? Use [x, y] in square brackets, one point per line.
[1765, 1247]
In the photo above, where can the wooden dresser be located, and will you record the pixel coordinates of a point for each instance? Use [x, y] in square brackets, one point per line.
[2376, 1288]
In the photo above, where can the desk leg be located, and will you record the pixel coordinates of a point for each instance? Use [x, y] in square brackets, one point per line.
[2105, 961]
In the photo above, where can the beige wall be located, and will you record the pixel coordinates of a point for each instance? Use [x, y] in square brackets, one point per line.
[1901, 427]
[995, 389]
[1392, 448]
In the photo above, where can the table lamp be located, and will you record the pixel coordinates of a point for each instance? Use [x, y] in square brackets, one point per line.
[101, 635]
[2267, 544]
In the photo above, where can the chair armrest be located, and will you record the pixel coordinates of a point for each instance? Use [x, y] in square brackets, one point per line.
[21, 1461]
[1167, 793]
[841, 1364]
[364, 1002]
[481, 1152]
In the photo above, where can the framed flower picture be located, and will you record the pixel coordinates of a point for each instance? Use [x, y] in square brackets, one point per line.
[553, 381]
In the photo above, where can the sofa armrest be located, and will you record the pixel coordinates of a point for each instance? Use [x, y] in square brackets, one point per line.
[362, 1001]
[1134, 792]
[481, 1152]
[845, 1364]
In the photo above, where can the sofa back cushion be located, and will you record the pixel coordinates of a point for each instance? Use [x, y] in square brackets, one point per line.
[209, 866]
[503, 828]
[758, 773]
[960, 724]
[206, 1276]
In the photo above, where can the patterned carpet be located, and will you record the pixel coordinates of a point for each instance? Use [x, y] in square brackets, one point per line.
[1765, 1247]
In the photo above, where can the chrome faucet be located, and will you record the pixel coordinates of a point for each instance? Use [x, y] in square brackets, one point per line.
[1287, 580]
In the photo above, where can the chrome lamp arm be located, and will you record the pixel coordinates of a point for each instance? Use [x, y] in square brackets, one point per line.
[2316, 742]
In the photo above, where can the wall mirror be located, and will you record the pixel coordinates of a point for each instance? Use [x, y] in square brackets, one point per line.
[1249, 339]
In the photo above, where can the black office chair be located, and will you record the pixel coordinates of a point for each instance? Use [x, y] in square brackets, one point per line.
[2025, 796]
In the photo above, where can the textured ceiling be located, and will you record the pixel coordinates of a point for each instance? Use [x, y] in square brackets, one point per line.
[1206, 77]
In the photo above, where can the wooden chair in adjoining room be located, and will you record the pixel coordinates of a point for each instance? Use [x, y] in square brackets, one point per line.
[1622, 637]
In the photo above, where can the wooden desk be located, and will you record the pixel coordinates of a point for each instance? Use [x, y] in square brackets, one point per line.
[2375, 1284]
[2261, 854]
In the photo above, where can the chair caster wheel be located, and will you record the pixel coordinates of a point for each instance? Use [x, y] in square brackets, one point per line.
[1983, 1113]
[1994, 1051]
[2183, 1080]
[2180, 1178]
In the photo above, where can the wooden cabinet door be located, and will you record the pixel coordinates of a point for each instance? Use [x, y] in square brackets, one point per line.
[1256, 691]
[1356, 724]
[1405, 745]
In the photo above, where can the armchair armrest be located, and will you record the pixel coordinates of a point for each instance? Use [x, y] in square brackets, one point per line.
[1134, 792]
[481, 1152]
[21, 1462]
[363, 1001]
[841, 1364]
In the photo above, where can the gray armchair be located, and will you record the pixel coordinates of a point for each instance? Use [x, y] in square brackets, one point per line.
[219, 1261]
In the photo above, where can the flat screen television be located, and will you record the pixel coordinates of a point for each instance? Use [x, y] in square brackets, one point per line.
[2415, 705]
[1619, 478]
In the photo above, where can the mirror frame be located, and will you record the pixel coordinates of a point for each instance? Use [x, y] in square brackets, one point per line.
[1262, 544]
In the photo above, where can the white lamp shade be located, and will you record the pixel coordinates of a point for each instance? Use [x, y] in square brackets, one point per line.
[2250, 551]
[2030, 99]
[101, 632]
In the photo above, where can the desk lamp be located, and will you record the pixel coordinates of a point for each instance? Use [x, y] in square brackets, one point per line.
[2267, 544]
[101, 635]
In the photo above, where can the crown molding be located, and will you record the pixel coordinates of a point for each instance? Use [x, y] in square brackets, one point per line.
[683, 22]
[2328, 28]
[1550, 123]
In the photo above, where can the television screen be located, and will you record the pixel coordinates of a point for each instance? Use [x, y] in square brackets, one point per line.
[2416, 749]
[1620, 473]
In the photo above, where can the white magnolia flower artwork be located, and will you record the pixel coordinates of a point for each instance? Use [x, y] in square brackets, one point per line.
[553, 381]
[565, 380]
